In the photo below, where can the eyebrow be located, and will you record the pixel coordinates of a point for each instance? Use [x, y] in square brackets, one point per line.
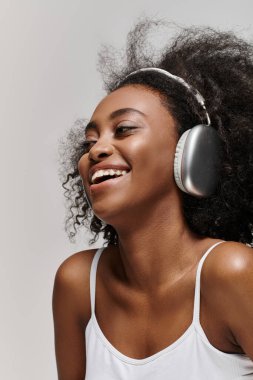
[122, 111]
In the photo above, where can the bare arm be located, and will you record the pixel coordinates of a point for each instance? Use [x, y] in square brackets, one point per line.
[232, 286]
[240, 288]
[71, 312]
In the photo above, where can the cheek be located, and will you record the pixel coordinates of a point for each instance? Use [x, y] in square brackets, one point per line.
[153, 156]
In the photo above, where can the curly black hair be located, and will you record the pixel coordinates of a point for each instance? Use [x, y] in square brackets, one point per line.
[220, 66]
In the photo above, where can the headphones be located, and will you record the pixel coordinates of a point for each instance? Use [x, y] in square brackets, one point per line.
[197, 157]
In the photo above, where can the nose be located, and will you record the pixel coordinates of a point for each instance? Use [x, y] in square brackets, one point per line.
[100, 150]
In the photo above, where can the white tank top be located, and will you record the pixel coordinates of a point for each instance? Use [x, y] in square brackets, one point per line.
[191, 357]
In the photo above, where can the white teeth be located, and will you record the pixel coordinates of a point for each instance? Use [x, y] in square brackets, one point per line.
[107, 172]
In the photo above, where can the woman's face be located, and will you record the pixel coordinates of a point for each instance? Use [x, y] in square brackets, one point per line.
[131, 141]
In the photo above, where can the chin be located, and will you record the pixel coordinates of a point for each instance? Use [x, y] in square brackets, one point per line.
[111, 214]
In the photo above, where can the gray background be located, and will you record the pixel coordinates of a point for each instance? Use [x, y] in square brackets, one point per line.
[48, 79]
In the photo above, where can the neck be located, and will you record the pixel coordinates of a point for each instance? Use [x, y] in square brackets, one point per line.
[157, 249]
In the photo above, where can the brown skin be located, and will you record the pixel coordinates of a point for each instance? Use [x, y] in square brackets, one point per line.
[149, 278]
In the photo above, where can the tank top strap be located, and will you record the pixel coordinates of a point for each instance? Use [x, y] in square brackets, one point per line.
[196, 309]
[93, 272]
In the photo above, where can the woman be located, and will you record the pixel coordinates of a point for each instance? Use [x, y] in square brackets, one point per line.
[167, 219]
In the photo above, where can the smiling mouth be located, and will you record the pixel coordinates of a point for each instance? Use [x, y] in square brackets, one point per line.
[105, 175]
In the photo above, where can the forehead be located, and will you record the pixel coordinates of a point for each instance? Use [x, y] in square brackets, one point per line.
[137, 97]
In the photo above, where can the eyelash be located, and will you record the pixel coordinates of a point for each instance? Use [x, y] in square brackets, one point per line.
[87, 145]
[125, 128]
[120, 131]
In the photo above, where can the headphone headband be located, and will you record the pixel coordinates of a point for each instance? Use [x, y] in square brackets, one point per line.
[192, 89]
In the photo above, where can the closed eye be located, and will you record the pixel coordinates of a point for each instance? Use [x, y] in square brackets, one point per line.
[87, 145]
[121, 131]
[124, 130]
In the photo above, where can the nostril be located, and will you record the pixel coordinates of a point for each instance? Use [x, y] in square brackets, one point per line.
[102, 155]
[95, 156]
[100, 151]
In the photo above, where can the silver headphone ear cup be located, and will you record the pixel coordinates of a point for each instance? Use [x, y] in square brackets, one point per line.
[178, 160]
[198, 160]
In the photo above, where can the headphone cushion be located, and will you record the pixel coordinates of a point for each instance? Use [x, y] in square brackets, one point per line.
[178, 160]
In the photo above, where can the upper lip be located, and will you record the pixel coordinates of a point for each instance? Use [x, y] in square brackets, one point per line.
[104, 166]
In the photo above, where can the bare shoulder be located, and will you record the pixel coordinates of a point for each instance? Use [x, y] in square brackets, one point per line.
[72, 282]
[227, 280]
[75, 265]
[227, 283]
[229, 262]
[71, 313]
